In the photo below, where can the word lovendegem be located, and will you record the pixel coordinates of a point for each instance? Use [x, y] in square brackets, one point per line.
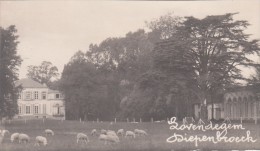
[221, 133]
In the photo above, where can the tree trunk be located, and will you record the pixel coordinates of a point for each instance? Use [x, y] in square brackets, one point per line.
[212, 109]
[203, 112]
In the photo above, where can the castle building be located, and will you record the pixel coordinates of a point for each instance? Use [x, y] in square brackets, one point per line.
[238, 103]
[38, 101]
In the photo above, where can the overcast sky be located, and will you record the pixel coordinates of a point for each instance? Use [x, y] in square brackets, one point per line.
[55, 30]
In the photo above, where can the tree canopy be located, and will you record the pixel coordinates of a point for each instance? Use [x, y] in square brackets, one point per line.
[157, 73]
[206, 53]
[44, 73]
[9, 63]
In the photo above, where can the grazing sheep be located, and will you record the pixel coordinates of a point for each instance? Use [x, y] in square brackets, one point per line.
[3, 132]
[140, 132]
[49, 132]
[120, 132]
[24, 138]
[14, 137]
[113, 133]
[40, 140]
[113, 138]
[102, 137]
[94, 132]
[130, 134]
[82, 137]
[103, 131]
[109, 138]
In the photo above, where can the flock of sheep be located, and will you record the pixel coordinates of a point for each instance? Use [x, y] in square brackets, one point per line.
[108, 136]
[24, 138]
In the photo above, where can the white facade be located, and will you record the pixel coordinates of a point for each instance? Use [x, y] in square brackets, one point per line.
[37, 100]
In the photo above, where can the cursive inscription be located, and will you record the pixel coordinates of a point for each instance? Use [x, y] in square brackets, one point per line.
[221, 133]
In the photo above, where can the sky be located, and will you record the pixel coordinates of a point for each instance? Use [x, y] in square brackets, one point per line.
[54, 30]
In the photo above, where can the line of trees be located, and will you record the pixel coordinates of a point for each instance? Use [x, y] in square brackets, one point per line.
[160, 73]
[156, 73]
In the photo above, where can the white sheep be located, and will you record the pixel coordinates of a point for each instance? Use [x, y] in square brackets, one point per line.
[102, 137]
[103, 131]
[3, 132]
[14, 137]
[113, 138]
[109, 132]
[49, 132]
[130, 134]
[140, 132]
[109, 138]
[40, 140]
[82, 137]
[120, 132]
[93, 132]
[24, 138]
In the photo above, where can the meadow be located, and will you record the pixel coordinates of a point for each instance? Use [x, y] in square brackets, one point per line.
[66, 131]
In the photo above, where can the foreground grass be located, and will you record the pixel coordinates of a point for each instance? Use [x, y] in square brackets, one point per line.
[66, 131]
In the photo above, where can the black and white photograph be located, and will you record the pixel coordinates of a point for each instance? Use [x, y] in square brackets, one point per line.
[114, 75]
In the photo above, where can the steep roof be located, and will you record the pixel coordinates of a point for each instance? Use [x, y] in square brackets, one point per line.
[29, 83]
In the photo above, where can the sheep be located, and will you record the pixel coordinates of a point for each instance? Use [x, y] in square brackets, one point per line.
[49, 132]
[102, 137]
[113, 138]
[113, 133]
[14, 136]
[120, 132]
[103, 131]
[40, 140]
[130, 134]
[3, 132]
[24, 138]
[109, 138]
[93, 132]
[140, 132]
[82, 137]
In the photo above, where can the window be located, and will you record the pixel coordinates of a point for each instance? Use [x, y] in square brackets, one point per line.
[20, 109]
[58, 110]
[36, 95]
[36, 109]
[44, 95]
[27, 110]
[57, 96]
[27, 95]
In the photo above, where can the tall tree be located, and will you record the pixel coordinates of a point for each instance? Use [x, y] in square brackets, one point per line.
[9, 63]
[206, 54]
[43, 73]
[85, 91]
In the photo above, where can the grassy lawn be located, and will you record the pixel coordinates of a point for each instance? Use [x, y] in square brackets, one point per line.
[66, 131]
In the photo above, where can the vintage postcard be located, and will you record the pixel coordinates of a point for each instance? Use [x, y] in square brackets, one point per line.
[129, 75]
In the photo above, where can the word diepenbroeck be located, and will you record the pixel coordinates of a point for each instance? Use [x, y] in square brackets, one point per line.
[221, 133]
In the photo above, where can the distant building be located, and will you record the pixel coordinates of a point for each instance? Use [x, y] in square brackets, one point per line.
[239, 102]
[242, 102]
[37, 100]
